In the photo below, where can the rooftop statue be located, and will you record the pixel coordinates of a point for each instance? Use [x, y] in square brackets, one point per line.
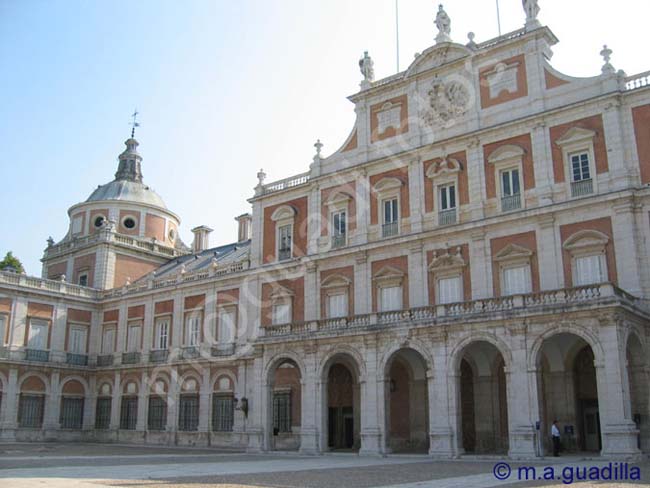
[443, 23]
[532, 10]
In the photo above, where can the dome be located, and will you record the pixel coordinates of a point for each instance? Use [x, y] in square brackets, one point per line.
[127, 191]
[127, 185]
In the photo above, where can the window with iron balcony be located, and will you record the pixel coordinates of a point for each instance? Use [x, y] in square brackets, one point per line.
[577, 146]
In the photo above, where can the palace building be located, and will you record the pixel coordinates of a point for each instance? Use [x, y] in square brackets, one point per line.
[471, 264]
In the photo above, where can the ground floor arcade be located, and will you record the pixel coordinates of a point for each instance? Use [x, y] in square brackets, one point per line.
[466, 389]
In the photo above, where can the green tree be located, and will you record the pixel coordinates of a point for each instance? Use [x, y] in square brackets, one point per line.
[11, 261]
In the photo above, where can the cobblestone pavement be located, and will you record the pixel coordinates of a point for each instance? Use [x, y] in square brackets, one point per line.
[99, 465]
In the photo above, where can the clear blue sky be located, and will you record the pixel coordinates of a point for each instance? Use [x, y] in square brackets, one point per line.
[223, 88]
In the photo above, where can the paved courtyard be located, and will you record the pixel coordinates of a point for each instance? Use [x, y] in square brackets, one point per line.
[96, 465]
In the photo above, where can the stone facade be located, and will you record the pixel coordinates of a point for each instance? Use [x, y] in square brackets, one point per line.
[471, 265]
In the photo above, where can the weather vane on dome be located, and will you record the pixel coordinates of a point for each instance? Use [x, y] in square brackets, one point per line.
[134, 124]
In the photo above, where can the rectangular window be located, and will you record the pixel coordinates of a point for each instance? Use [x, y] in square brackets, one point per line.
[30, 411]
[390, 211]
[589, 270]
[108, 340]
[37, 334]
[193, 330]
[449, 290]
[72, 412]
[133, 338]
[447, 197]
[337, 305]
[339, 223]
[282, 412]
[510, 182]
[226, 332]
[188, 413]
[284, 244]
[223, 410]
[76, 225]
[391, 298]
[3, 329]
[103, 413]
[516, 280]
[580, 166]
[157, 415]
[162, 333]
[77, 339]
[83, 279]
[281, 313]
[129, 413]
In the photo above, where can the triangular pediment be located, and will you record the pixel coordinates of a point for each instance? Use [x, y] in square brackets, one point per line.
[586, 239]
[513, 251]
[576, 134]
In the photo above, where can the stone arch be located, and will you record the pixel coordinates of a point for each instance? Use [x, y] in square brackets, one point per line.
[186, 380]
[638, 383]
[577, 330]
[101, 391]
[35, 374]
[79, 379]
[343, 351]
[220, 373]
[278, 359]
[479, 364]
[405, 371]
[416, 345]
[457, 352]
[284, 380]
[566, 360]
[124, 383]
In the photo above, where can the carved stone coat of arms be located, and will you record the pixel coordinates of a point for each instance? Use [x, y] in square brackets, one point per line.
[447, 102]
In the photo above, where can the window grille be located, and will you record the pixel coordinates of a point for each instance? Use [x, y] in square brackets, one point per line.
[157, 413]
[223, 410]
[282, 412]
[30, 411]
[72, 412]
[188, 413]
[103, 413]
[129, 413]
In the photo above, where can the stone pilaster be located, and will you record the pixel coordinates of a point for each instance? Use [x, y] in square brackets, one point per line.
[9, 407]
[480, 269]
[362, 284]
[442, 433]
[416, 192]
[550, 260]
[116, 402]
[417, 273]
[371, 431]
[521, 388]
[626, 237]
[618, 431]
[53, 403]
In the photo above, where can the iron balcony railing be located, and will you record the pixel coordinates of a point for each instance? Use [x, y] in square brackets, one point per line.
[389, 229]
[221, 350]
[511, 202]
[130, 357]
[338, 240]
[190, 352]
[105, 360]
[158, 356]
[582, 188]
[284, 254]
[447, 217]
[38, 355]
[76, 359]
[4, 353]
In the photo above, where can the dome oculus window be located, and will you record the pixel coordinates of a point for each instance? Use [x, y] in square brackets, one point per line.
[99, 221]
[129, 222]
[172, 234]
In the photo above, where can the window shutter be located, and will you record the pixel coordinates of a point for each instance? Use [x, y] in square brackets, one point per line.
[391, 298]
[516, 280]
[108, 341]
[589, 270]
[449, 290]
[338, 305]
[226, 326]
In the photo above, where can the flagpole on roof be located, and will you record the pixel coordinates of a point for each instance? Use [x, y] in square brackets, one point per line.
[498, 18]
[397, 31]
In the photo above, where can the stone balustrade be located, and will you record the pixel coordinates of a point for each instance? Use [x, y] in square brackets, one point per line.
[284, 184]
[484, 308]
[640, 80]
[32, 282]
